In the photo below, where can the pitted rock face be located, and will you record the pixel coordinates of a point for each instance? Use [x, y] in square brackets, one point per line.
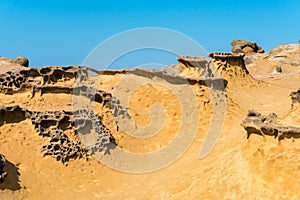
[2, 172]
[14, 81]
[228, 65]
[245, 46]
[53, 124]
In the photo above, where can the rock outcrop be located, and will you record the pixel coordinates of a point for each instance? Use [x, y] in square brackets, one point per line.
[245, 46]
[280, 61]
[228, 65]
[13, 81]
[271, 125]
[198, 66]
[54, 124]
[285, 55]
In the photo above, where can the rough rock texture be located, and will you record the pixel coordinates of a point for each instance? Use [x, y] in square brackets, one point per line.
[218, 65]
[228, 66]
[236, 168]
[2, 172]
[198, 66]
[255, 123]
[20, 60]
[285, 56]
[53, 124]
[271, 125]
[13, 81]
[245, 46]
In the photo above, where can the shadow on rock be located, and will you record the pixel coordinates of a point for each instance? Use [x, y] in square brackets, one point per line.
[11, 181]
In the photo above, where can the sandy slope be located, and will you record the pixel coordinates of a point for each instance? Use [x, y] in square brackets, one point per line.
[236, 168]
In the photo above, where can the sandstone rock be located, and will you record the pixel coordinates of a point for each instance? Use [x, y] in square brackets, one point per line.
[271, 125]
[245, 46]
[285, 55]
[199, 64]
[20, 60]
[268, 125]
[228, 65]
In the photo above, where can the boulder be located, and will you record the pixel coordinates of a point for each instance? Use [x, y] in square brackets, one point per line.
[20, 60]
[245, 46]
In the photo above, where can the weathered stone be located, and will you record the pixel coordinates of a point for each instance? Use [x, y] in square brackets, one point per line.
[245, 46]
[21, 61]
[270, 125]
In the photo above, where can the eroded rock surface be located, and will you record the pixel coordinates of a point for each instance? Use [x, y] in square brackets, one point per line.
[56, 124]
[53, 124]
[198, 66]
[228, 65]
[271, 125]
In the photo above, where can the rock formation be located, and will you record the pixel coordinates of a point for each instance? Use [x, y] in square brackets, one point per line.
[285, 55]
[40, 117]
[227, 65]
[218, 65]
[271, 125]
[245, 46]
[199, 66]
[53, 124]
[284, 58]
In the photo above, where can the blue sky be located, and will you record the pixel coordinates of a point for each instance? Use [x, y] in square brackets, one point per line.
[61, 32]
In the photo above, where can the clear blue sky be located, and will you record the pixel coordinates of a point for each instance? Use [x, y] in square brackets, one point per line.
[59, 32]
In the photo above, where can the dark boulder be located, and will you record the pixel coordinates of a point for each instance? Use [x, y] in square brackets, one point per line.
[20, 60]
[245, 46]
